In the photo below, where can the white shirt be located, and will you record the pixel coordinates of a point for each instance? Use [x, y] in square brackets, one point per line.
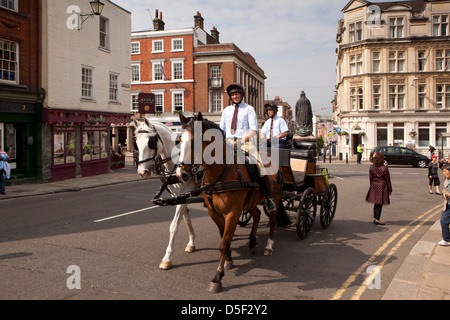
[279, 127]
[246, 121]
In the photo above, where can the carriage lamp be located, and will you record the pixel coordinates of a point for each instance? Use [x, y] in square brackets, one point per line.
[96, 7]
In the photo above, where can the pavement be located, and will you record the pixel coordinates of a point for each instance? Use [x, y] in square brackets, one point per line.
[424, 275]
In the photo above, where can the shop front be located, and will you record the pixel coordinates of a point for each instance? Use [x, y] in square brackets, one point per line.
[79, 143]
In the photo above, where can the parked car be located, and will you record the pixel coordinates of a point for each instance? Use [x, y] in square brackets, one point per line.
[401, 155]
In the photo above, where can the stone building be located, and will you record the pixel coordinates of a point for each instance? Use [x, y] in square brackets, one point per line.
[393, 80]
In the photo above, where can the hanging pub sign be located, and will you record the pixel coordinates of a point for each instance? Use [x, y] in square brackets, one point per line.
[146, 102]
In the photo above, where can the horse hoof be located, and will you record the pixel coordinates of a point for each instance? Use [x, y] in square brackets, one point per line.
[190, 249]
[214, 287]
[228, 264]
[165, 265]
[268, 252]
[253, 250]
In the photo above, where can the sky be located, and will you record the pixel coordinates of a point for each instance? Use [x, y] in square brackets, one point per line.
[293, 41]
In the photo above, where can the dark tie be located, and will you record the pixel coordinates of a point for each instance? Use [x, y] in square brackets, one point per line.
[271, 129]
[234, 121]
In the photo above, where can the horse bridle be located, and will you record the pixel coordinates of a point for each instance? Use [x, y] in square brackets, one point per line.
[152, 144]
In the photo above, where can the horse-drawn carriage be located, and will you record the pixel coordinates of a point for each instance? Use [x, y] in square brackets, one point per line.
[300, 184]
[305, 185]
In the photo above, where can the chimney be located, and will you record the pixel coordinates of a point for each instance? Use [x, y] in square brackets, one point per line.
[215, 34]
[198, 20]
[158, 23]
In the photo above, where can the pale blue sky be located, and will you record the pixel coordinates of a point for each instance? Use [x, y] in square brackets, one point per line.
[294, 42]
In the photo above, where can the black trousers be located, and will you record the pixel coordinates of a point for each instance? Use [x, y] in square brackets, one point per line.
[377, 211]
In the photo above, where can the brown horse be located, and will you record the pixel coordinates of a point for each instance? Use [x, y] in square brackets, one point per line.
[229, 189]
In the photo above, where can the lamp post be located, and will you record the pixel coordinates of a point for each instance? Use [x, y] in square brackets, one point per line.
[96, 10]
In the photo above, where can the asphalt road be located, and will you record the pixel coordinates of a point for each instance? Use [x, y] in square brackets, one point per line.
[110, 241]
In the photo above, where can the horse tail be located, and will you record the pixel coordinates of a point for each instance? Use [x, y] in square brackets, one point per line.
[283, 219]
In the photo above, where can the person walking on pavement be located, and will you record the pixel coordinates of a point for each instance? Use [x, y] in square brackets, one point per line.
[380, 187]
[445, 218]
[433, 176]
[431, 150]
[359, 151]
[4, 171]
[240, 124]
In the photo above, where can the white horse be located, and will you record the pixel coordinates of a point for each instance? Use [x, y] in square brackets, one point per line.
[155, 139]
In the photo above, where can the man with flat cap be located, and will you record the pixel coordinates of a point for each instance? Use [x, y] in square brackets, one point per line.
[240, 123]
[275, 130]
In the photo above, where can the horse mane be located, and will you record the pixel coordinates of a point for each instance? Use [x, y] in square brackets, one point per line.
[206, 125]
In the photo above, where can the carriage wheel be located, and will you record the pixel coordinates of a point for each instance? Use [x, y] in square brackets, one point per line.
[244, 218]
[306, 213]
[328, 206]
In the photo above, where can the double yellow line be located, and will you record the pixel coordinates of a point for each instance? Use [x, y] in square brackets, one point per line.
[357, 295]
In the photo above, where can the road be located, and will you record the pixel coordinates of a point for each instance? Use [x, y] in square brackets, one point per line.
[116, 240]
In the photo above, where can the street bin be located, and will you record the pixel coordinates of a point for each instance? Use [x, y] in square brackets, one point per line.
[341, 156]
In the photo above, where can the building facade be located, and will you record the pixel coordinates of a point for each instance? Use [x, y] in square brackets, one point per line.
[188, 70]
[21, 94]
[86, 75]
[393, 75]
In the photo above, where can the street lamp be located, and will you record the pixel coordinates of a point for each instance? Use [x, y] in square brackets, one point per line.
[96, 10]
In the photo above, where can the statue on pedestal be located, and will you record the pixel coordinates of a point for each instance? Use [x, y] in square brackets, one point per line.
[303, 116]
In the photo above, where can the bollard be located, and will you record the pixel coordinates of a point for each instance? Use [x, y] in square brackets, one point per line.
[346, 158]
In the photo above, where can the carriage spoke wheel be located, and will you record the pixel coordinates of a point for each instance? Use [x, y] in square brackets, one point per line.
[306, 213]
[244, 218]
[328, 206]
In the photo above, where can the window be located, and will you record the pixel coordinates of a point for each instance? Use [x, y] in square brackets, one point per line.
[356, 64]
[443, 96]
[424, 134]
[216, 101]
[158, 46]
[443, 60]
[158, 70]
[9, 4]
[104, 33]
[159, 102]
[441, 25]
[396, 61]
[421, 61]
[135, 48]
[177, 70]
[376, 60]
[382, 134]
[356, 99]
[355, 31]
[177, 45]
[9, 61]
[399, 133]
[396, 27]
[422, 95]
[177, 100]
[135, 102]
[216, 72]
[64, 145]
[441, 127]
[396, 97]
[87, 83]
[135, 73]
[113, 87]
[376, 97]
[94, 143]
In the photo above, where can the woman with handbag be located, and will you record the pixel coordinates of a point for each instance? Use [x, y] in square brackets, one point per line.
[380, 187]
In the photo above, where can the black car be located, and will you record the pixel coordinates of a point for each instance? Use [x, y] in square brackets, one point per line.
[401, 155]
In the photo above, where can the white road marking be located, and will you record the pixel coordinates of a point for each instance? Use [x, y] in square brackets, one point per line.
[126, 214]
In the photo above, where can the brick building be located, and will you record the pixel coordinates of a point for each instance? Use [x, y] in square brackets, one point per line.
[189, 69]
[21, 95]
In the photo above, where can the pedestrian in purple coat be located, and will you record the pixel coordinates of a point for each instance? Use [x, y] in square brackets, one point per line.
[380, 187]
